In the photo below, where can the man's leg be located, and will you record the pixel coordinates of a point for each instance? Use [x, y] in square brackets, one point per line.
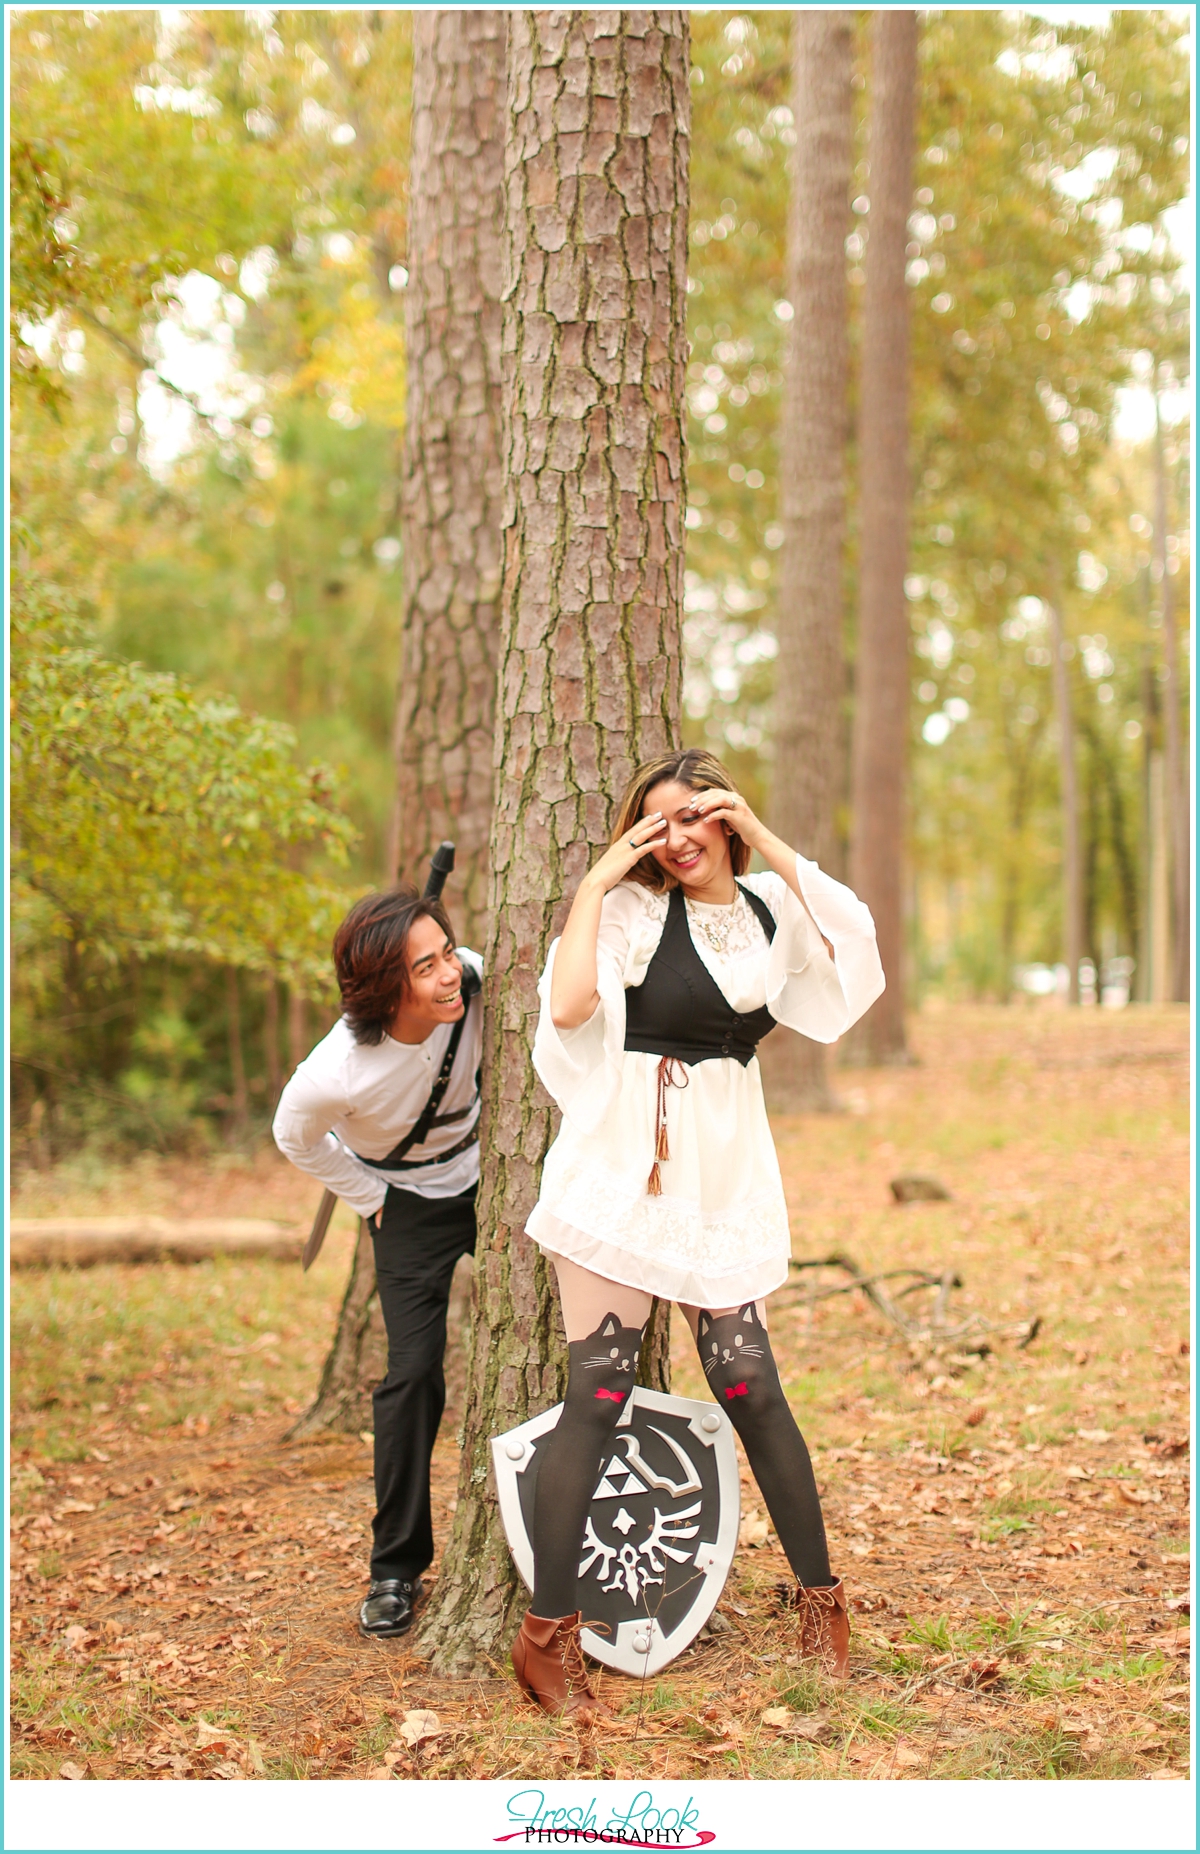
[416, 1250]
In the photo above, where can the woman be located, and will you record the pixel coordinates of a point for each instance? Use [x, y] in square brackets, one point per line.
[672, 966]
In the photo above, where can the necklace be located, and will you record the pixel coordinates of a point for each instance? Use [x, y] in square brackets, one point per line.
[715, 926]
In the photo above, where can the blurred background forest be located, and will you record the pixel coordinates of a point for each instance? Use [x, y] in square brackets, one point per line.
[208, 271]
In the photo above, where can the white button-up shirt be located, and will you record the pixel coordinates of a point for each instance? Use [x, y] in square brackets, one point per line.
[348, 1098]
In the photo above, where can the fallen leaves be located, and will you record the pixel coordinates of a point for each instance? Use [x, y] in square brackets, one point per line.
[417, 1727]
[74, 1773]
[1139, 1496]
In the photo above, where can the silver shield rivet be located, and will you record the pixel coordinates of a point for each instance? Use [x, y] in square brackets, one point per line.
[710, 1423]
[641, 1644]
[515, 1450]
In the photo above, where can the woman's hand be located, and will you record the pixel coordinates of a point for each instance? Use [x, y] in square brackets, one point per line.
[733, 810]
[573, 993]
[627, 852]
[729, 808]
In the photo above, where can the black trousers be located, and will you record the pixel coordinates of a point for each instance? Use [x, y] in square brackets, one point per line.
[416, 1247]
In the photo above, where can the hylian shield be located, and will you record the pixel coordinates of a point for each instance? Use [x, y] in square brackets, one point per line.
[661, 1530]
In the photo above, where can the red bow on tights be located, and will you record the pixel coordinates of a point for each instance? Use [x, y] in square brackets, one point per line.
[615, 1396]
[738, 1390]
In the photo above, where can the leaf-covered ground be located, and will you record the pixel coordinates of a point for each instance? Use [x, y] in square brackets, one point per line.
[1013, 1528]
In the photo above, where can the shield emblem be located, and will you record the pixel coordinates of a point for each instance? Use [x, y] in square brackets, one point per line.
[661, 1530]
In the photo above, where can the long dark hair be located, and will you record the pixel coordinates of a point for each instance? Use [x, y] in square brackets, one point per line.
[370, 951]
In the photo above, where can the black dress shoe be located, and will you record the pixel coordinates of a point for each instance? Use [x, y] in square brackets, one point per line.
[388, 1607]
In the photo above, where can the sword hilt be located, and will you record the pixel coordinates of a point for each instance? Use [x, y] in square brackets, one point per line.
[440, 866]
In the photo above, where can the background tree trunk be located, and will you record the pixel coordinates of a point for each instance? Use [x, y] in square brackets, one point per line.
[453, 474]
[271, 1041]
[452, 507]
[806, 779]
[357, 1359]
[1069, 785]
[595, 354]
[1178, 805]
[880, 752]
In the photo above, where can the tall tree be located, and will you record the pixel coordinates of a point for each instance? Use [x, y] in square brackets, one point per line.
[452, 503]
[1072, 861]
[596, 165]
[1178, 808]
[807, 773]
[882, 665]
[453, 471]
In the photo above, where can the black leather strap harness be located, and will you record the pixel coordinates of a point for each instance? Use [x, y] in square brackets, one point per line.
[429, 1117]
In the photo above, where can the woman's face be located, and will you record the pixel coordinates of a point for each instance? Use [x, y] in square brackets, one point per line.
[696, 850]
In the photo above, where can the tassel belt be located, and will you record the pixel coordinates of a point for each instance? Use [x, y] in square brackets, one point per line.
[666, 1078]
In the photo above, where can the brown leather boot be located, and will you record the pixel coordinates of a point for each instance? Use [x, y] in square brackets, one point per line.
[548, 1663]
[824, 1623]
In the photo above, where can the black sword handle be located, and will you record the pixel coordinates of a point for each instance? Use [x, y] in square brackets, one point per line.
[439, 868]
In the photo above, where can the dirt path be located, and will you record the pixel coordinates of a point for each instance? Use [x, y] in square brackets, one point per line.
[1014, 1528]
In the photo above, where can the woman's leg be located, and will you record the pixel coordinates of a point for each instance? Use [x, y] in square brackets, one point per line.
[738, 1363]
[604, 1323]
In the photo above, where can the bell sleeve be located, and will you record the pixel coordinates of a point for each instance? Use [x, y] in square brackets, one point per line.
[581, 1068]
[806, 989]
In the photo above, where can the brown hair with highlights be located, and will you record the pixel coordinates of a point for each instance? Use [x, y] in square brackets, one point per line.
[370, 953]
[692, 767]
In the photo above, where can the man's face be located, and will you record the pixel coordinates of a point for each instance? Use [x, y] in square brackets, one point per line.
[434, 993]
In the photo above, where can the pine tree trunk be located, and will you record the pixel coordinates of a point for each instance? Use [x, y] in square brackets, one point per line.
[271, 1041]
[595, 355]
[880, 753]
[453, 469]
[810, 672]
[1178, 806]
[1069, 789]
[237, 1061]
[452, 506]
[357, 1359]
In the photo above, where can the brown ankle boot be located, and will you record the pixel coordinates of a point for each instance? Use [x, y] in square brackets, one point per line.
[548, 1663]
[824, 1623]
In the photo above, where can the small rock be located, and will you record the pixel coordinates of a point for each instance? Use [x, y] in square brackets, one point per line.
[917, 1188]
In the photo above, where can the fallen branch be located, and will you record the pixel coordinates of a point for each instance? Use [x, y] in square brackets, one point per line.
[82, 1242]
[934, 1332]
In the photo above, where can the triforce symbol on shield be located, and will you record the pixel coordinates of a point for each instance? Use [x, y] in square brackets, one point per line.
[660, 1532]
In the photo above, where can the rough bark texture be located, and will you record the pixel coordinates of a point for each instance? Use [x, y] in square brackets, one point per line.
[596, 165]
[1069, 788]
[1178, 806]
[452, 507]
[809, 735]
[357, 1359]
[453, 467]
[880, 752]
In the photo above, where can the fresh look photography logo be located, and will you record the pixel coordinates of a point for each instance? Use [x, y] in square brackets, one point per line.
[644, 1823]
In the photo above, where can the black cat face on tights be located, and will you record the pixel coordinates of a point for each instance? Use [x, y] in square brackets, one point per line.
[612, 1347]
[720, 1346]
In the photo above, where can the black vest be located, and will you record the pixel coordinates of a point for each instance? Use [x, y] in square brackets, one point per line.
[679, 1009]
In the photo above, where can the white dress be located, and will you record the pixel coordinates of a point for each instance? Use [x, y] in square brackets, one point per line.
[717, 1236]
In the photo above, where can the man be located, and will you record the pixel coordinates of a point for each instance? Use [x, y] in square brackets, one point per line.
[385, 1112]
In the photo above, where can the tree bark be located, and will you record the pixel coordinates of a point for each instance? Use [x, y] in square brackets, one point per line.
[880, 751]
[1178, 805]
[596, 165]
[1069, 788]
[452, 502]
[809, 737]
[297, 1027]
[271, 1041]
[453, 474]
[357, 1359]
[237, 1060]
